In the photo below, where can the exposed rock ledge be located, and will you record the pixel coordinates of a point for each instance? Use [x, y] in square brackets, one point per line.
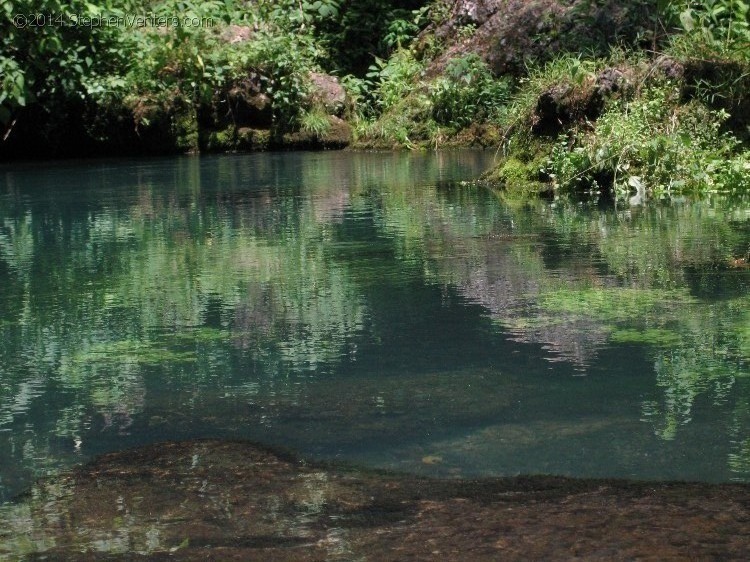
[217, 500]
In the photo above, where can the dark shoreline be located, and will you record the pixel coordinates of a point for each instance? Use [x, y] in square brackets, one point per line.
[234, 500]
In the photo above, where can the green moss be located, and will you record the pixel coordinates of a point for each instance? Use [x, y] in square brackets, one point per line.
[231, 138]
[185, 131]
[650, 336]
[518, 177]
[253, 139]
[220, 141]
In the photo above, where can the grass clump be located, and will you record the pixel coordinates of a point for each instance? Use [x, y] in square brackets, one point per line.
[315, 122]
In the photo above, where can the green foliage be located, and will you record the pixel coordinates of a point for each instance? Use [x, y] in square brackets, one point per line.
[298, 14]
[408, 110]
[400, 33]
[155, 73]
[652, 145]
[172, 68]
[404, 124]
[13, 90]
[370, 29]
[467, 92]
[163, 77]
[315, 121]
[714, 46]
[394, 78]
[45, 58]
[284, 62]
[723, 23]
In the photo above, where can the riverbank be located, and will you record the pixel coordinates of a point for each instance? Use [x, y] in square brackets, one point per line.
[578, 97]
[232, 500]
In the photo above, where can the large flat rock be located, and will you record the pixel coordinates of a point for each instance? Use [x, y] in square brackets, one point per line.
[219, 500]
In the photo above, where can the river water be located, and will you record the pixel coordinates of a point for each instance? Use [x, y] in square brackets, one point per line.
[370, 308]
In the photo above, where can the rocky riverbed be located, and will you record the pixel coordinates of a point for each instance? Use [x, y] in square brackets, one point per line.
[219, 500]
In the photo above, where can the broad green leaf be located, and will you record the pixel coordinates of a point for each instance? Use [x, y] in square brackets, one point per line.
[687, 21]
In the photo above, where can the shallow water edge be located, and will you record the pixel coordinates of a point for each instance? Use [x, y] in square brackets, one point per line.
[234, 500]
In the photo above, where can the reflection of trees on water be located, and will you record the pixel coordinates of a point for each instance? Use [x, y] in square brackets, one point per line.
[663, 277]
[97, 300]
[115, 278]
[204, 266]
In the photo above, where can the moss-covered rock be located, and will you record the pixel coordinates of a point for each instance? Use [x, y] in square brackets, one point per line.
[253, 139]
[223, 140]
[338, 134]
[233, 138]
[518, 177]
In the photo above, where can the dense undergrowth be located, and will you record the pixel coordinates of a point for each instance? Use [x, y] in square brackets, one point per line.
[652, 101]
[633, 122]
[176, 75]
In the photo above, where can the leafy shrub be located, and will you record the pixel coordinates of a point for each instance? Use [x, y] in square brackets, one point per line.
[52, 62]
[467, 92]
[284, 62]
[652, 145]
[725, 23]
[394, 78]
[297, 14]
[370, 29]
[404, 124]
[193, 66]
[400, 32]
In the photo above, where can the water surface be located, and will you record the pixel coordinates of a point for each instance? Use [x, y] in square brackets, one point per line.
[369, 308]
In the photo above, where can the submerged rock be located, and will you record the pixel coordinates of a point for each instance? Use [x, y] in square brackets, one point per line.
[220, 500]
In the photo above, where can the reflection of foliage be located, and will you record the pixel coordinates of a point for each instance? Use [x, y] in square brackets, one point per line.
[649, 336]
[739, 433]
[183, 284]
[578, 279]
[129, 352]
[110, 301]
[684, 373]
[613, 303]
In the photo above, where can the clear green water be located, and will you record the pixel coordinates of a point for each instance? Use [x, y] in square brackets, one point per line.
[368, 308]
